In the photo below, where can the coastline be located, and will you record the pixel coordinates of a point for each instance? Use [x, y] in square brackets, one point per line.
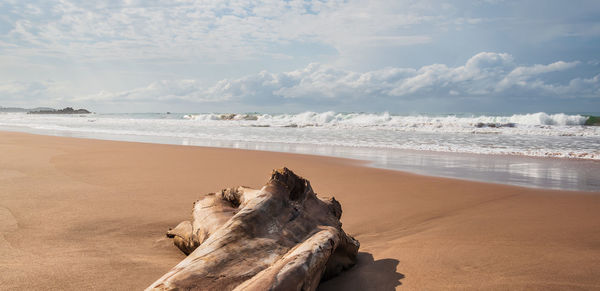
[558, 173]
[85, 213]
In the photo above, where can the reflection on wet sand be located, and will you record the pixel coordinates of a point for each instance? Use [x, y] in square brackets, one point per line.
[551, 173]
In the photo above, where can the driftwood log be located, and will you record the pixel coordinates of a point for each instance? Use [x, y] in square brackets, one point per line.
[281, 237]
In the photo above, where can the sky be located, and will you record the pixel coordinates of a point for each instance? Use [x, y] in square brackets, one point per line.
[291, 56]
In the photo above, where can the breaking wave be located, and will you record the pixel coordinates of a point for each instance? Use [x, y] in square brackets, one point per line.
[536, 134]
[331, 118]
[534, 123]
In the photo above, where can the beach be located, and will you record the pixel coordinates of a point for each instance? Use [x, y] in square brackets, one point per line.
[92, 214]
[498, 148]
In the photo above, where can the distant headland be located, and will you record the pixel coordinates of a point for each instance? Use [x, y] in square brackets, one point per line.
[45, 110]
[67, 110]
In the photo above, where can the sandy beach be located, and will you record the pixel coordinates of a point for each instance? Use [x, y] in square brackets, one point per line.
[91, 214]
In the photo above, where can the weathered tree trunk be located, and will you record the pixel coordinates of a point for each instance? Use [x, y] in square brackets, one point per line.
[281, 237]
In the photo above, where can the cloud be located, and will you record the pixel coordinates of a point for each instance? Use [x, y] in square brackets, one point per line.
[215, 31]
[185, 39]
[520, 76]
[485, 75]
[165, 90]
[27, 90]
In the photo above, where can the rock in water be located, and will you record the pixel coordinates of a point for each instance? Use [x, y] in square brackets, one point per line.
[281, 237]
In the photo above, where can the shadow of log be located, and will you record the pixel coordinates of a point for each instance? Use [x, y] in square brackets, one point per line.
[367, 274]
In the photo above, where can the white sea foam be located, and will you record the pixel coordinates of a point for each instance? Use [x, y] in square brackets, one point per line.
[536, 134]
[331, 118]
[527, 124]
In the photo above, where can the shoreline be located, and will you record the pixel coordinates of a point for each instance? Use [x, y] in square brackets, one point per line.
[84, 213]
[532, 171]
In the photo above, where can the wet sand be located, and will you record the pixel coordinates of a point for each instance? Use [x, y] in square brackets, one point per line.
[91, 214]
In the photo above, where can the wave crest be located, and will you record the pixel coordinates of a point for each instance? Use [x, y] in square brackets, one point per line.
[334, 119]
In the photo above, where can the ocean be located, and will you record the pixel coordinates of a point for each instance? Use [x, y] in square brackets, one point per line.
[555, 151]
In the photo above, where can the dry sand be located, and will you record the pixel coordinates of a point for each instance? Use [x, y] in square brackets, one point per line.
[89, 214]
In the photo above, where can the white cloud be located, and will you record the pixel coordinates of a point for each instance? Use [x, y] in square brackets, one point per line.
[31, 94]
[214, 31]
[520, 76]
[485, 75]
[492, 76]
[362, 45]
[15, 89]
[165, 90]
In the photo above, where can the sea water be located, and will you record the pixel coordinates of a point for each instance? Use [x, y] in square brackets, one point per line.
[536, 150]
